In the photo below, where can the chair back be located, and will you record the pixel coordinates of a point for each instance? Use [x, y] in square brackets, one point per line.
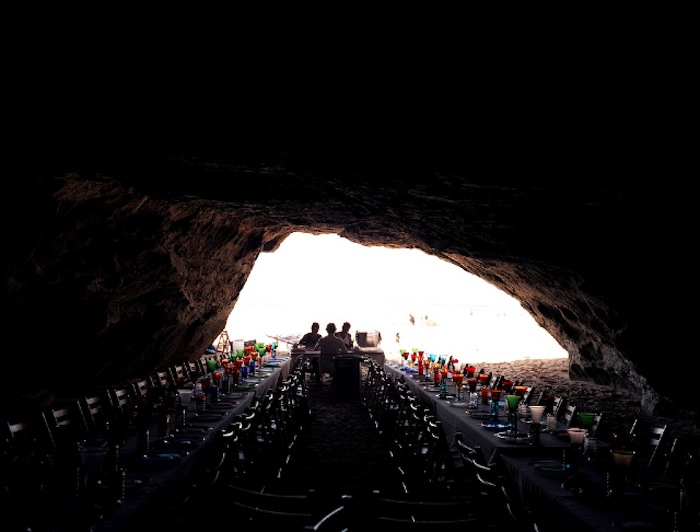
[569, 414]
[96, 412]
[67, 425]
[593, 429]
[651, 444]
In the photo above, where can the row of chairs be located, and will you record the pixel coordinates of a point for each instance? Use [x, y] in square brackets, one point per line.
[39, 446]
[244, 464]
[416, 442]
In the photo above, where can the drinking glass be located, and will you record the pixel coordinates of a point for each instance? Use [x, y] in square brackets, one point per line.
[536, 413]
[92, 459]
[512, 402]
[459, 387]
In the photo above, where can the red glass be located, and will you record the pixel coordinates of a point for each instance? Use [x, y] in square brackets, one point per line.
[520, 390]
[496, 395]
[484, 396]
[483, 378]
[436, 377]
[507, 386]
[472, 384]
[470, 371]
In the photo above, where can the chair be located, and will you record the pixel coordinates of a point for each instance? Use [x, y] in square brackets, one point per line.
[568, 415]
[96, 411]
[180, 374]
[649, 446]
[557, 404]
[593, 429]
[29, 434]
[260, 508]
[334, 521]
[67, 425]
[140, 389]
[523, 517]
[422, 513]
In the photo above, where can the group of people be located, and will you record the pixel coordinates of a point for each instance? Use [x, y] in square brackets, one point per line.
[334, 343]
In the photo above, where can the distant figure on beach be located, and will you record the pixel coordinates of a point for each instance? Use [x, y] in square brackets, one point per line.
[411, 319]
[309, 341]
[330, 346]
[345, 336]
[398, 338]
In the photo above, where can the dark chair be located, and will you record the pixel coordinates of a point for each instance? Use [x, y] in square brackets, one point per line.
[649, 446]
[597, 421]
[97, 413]
[67, 426]
[261, 508]
[335, 520]
[421, 512]
[568, 415]
[523, 516]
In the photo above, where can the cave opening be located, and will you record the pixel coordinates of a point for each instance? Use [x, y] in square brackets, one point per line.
[413, 299]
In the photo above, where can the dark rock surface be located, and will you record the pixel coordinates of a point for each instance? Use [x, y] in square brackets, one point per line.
[146, 185]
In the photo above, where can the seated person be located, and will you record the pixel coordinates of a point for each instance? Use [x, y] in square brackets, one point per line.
[345, 335]
[308, 342]
[330, 346]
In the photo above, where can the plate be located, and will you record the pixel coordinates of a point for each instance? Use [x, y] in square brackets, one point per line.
[494, 425]
[195, 430]
[447, 396]
[163, 459]
[549, 467]
[519, 437]
[209, 416]
[459, 404]
[481, 415]
[186, 442]
[220, 407]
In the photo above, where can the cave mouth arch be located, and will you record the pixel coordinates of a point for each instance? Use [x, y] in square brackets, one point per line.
[414, 299]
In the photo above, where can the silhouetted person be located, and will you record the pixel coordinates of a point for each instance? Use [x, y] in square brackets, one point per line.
[308, 342]
[330, 346]
[345, 336]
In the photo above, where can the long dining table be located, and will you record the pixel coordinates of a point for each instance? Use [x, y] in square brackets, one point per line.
[151, 477]
[573, 488]
[476, 424]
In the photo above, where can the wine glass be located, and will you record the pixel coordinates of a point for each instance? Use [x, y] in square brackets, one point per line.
[512, 402]
[536, 413]
[458, 379]
[92, 459]
[495, 403]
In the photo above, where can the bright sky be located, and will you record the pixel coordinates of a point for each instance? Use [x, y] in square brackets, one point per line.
[376, 288]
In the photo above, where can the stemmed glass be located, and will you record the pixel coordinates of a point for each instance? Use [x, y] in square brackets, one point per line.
[458, 379]
[512, 402]
[536, 413]
[92, 459]
[622, 460]
[495, 403]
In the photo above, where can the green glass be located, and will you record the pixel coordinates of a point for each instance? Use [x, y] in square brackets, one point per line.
[586, 419]
[512, 401]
